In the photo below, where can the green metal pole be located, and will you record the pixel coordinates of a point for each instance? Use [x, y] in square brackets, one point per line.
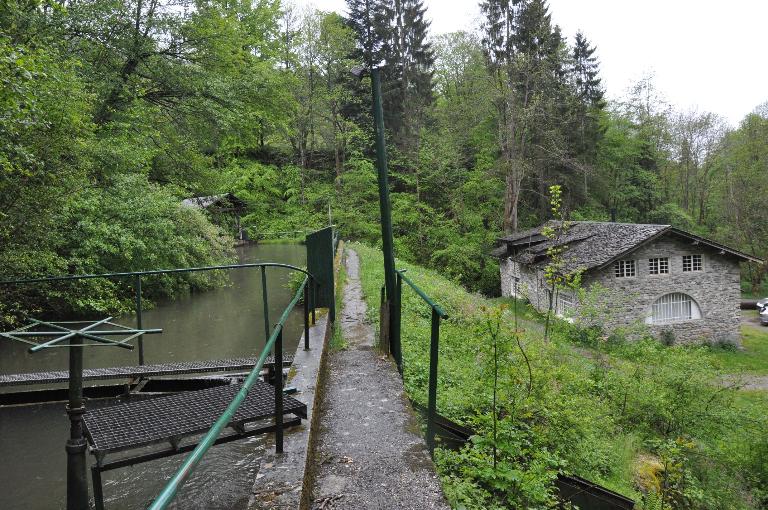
[396, 324]
[77, 480]
[138, 318]
[432, 396]
[306, 318]
[314, 301]
[266, 305]
[279, 391]
[384, 203]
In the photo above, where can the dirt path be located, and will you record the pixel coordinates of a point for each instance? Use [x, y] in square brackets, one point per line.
[747, 381]
[751, 319]
[369, 452]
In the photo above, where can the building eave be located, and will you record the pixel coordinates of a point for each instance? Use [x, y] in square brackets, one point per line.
[745, 257]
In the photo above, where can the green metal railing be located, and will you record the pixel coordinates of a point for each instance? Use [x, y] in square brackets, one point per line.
[438, 314]
[137, 279]
[193, 459]
[77, 483]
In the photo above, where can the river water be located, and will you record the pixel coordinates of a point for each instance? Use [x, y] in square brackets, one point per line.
[221, 323]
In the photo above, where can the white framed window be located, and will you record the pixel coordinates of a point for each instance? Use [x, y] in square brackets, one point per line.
[674, 307]
[658, 265]
[624, 268]
[566, 304]
[692, 263]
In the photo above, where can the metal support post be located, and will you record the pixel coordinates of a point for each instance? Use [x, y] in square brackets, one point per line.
[137, 285]
[306, 316]
[384, 202]
[396, 347]
[279, 391]
[266, 304]
[314, 301]
[98, 489]
[432, 396]
[77, 478]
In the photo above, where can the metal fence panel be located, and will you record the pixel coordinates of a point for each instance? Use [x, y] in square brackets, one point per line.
[320, 265]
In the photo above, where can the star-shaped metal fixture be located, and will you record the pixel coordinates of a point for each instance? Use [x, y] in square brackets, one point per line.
[102, 333]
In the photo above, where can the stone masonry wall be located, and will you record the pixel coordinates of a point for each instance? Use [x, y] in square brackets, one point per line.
[715, 289]
[531, 284]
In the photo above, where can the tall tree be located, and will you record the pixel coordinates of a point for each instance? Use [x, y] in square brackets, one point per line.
[364, 18]
[524, 56]
[590, 101]
[738, 199]
[695, 139]
[393, 33]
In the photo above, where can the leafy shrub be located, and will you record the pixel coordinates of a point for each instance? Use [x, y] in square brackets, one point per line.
[129, 225]
[667, 337]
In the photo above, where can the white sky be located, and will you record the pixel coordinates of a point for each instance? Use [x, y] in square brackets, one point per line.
[704, 54]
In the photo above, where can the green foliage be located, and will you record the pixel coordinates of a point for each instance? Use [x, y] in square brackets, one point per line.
[113, 112]
[595, 412]
[129, 225]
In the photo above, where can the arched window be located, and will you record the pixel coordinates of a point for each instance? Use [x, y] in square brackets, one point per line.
[674, 307]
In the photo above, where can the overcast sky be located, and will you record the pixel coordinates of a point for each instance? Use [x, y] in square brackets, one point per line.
[704, 54]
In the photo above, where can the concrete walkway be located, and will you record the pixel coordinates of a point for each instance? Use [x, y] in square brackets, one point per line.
[370, 453]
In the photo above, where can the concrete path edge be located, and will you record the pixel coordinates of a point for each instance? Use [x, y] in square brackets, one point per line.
[285, 481]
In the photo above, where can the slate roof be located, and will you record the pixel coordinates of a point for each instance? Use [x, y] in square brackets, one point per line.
[594, 244]
[226, 201]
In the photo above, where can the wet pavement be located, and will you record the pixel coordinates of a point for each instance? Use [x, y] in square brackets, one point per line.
[369, 452]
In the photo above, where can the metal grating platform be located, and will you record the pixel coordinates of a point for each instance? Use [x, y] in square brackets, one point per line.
[156, 370]
[162, 419]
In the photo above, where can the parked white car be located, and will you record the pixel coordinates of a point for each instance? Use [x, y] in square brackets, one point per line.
[762, 310]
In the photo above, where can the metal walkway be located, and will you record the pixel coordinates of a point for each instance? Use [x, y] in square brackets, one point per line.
[170, 419]
[156, 370]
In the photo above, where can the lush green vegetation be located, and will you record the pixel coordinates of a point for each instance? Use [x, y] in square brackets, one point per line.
[753, 359]
[649, 421]
[259, 99]
[112, 112]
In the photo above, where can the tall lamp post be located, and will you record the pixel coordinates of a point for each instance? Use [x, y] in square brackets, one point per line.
[385, 207]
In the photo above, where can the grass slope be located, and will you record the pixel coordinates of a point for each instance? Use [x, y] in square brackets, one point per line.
[648, 421]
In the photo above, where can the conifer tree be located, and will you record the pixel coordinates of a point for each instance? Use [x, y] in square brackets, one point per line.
[364, 18]
[394, 33]
[585, 71]
[589, 101]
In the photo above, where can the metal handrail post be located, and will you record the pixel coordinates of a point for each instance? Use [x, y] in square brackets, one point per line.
[139, 322]
[306, 318]
[264, 298]
[432, 396]
[314, 301]
[396, 322]
[279, 391]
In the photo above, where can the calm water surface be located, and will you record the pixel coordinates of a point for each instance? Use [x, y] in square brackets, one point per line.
[225, 322]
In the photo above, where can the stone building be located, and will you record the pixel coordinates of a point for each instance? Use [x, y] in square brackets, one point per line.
[680, 285]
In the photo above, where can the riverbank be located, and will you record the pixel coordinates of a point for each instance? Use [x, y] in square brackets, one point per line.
[609, 412]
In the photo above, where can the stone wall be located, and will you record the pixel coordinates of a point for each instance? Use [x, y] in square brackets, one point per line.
[715, 289]
[531, 284]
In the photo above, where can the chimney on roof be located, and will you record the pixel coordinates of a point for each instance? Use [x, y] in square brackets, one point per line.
[613, 215]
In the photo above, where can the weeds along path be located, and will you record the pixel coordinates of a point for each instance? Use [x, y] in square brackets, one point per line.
[369, 453]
